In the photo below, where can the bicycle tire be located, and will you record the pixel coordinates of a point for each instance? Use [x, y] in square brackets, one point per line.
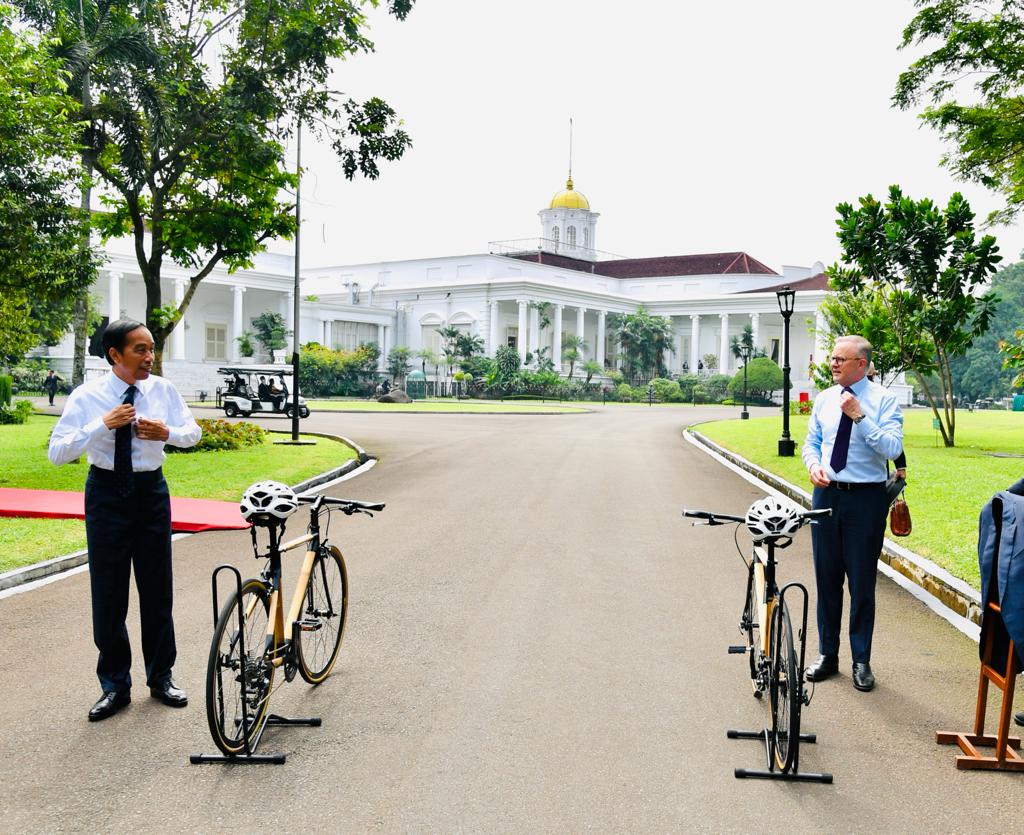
[750, 625]
[786, 692]
[323, 615]
[224, 712]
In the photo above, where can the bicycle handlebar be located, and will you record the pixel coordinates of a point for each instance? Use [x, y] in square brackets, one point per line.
[711, 518]
[348, 506]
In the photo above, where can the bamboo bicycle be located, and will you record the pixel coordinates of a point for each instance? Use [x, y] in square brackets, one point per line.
[254, 638]
[775, 665]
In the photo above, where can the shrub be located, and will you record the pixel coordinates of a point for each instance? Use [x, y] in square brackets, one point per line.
[323, 372]
[686, 383]
[6, 388]
[222, 435]
[763, 377]
[18, 413]
[624, 392]
[716, 387]
[667, 391]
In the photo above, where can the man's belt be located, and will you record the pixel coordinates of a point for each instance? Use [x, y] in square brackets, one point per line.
[856, 485]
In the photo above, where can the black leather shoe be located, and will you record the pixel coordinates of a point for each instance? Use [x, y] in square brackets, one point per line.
[170, 694]
[825, 667]
[1019, 718]
[863, 678]
[109, 704]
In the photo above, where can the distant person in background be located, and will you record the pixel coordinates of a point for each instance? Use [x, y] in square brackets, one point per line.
[263, 390]
[50, 385]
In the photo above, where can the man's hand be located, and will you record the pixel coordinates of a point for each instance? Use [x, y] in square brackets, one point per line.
[119, 416]
[819, 478]
[151, 430]
[849, 404]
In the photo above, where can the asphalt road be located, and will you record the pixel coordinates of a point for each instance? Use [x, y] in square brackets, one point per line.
[536, 643]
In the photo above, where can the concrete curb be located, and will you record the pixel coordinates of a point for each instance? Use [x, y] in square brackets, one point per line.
[932, 579]
[58, 565]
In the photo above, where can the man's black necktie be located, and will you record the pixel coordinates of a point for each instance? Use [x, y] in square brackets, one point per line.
[125, 476]
[841, 448]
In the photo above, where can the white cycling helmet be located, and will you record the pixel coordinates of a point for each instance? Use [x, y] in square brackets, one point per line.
[268, 503]
[770, 519]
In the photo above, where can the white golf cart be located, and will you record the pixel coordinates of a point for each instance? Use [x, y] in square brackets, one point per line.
[257, 388]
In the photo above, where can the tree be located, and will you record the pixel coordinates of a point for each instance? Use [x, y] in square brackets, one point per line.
[427, 356]
[449, 336]
[711, 362]
[933, 271]
[1013, 355]
[739, 342]
[270, 331]
[590, 368]
[980, 371]
[468, 346]
[41, 266]
[645, 340]
[763, 378]
[573, 347]
[192, 147]
[398, 363]
[506, 367]
[972, 83]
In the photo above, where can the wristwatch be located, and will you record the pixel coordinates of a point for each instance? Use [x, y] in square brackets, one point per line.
[859, 418]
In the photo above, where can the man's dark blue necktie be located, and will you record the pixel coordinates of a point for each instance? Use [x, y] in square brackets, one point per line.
[124, 475]
[841, 448]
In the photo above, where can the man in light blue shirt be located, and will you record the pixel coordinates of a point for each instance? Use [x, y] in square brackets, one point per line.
[855, 428]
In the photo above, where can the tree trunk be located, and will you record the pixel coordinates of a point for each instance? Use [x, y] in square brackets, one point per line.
[80, 321]
[947, 440]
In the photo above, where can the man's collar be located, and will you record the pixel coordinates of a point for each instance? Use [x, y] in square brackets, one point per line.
[861, 386]
[119, 386]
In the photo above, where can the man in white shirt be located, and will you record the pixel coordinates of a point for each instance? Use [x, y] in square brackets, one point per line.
[121, 422]
[854, 428]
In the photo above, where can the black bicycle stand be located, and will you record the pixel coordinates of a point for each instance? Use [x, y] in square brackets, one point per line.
[771, 774]
[245, 759]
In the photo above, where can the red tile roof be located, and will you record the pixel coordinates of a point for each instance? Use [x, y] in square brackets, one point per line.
[717, 263]
[815, 282]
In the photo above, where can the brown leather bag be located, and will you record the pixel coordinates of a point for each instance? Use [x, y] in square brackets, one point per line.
[899, 518]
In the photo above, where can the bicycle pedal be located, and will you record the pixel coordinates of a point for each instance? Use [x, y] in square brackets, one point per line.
[737, 649]
[310, 625]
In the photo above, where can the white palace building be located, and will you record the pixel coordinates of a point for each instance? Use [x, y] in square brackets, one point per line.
[708, 298]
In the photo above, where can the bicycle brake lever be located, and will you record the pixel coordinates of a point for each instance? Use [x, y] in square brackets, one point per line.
[694, 524]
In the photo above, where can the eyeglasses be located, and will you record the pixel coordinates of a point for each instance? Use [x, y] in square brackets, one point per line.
[841, 360]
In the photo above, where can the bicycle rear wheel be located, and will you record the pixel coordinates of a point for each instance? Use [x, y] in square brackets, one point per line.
[749, 625]
[785, 688]
[323, 616]
[230, 716]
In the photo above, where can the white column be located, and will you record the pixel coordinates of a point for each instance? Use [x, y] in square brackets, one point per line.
[602, 316]
[325, 333]
[677, 361]
[178, 334]
[820, 332]
[580, 314]
[521, 336]
[237, 325]
[496, 337]
[289, 322]
[114, 295]
[556, 338]
[534, 330]
[694, 342]
[755, 328]
[382, 341]
[723, 345]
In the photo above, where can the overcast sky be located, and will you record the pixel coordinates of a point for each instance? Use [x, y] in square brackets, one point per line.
[699, 127]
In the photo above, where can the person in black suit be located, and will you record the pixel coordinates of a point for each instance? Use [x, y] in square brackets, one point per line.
[263, 390]
[121, 421]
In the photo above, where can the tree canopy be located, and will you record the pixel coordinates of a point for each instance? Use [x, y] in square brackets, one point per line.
[41, 268]
[188, 133]
[645, 340]
[932, 272]
[971, 85]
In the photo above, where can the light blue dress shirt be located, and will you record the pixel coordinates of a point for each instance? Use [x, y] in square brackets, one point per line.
[81, 428]
[876, 439]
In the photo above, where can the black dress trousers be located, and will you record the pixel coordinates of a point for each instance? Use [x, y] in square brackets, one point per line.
[127, 533]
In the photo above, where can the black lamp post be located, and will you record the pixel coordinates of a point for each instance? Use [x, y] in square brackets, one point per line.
[745, 356]
[786, 297]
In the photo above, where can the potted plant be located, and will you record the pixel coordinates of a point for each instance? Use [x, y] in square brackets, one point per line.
[271, 333]
[245, 346]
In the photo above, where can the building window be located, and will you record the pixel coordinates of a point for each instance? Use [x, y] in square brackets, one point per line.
[586, 237]
[216, 342]
[512, 337]
[570, 237]
[347, 336]
[430, 338]
[554, 236]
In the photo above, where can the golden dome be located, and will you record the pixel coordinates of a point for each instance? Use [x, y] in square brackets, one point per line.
[569, 199]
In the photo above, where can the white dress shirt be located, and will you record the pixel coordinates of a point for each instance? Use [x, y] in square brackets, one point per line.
[81, 427]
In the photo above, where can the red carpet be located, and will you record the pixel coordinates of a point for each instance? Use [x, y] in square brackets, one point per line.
[186, 514]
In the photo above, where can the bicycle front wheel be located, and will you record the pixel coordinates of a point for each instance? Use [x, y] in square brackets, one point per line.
[324, 612]
[234, 716]
[785, 688]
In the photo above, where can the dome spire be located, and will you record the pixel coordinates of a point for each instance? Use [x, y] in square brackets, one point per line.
[568, 183]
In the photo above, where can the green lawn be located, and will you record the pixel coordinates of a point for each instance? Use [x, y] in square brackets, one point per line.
[946, 488]
[208, 475]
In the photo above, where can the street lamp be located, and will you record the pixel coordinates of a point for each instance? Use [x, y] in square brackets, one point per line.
[745, 356]
[785, 296]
